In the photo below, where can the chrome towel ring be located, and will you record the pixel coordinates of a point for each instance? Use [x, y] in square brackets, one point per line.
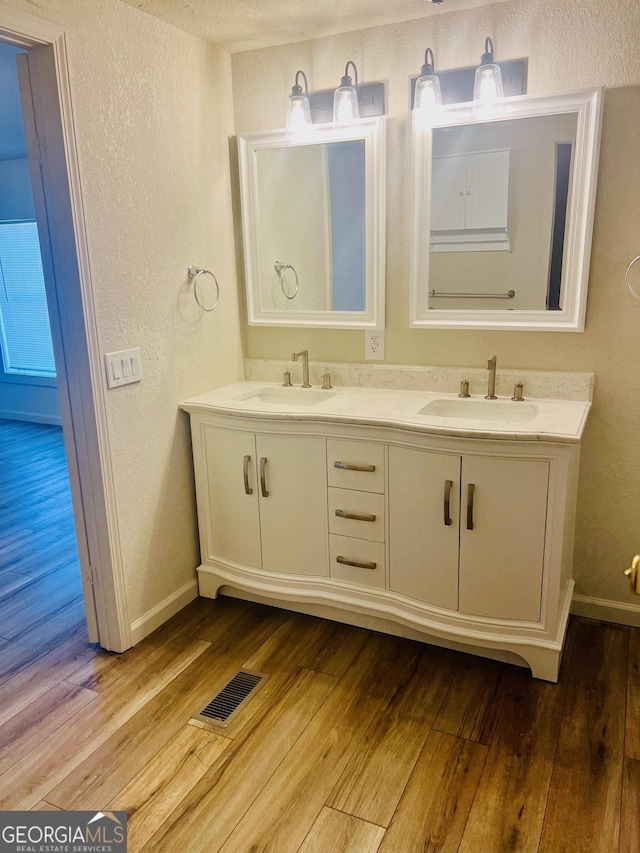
[626, 278]
[281, 269]
[194, 275]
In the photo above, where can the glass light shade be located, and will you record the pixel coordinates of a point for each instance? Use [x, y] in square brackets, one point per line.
[427, 98]
[298, 115]
[345, 106]
[487, 91]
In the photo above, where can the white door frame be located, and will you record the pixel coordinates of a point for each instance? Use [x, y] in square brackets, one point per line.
[74, 331]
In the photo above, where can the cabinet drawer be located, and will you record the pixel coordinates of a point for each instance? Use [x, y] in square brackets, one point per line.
[371, 554]
[369, 508]
[355, 465]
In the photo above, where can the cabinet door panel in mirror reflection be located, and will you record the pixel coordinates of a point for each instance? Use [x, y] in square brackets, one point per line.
[498, 211]
[507, 202]
[311, 217]
[313, 226]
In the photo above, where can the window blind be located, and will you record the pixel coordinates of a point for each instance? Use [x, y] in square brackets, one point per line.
[24, 318]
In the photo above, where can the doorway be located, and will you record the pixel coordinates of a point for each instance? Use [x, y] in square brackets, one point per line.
[50, 137]
[39, 568]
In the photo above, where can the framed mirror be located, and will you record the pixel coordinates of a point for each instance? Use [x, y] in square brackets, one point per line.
[314, 226]
[503, 213]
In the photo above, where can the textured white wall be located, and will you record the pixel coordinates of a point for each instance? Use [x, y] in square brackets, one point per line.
[569, 45]
[153, 115]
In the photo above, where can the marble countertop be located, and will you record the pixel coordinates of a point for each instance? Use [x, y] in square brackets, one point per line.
[533, 420]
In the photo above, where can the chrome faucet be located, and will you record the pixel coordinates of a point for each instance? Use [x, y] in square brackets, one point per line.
[304, 355]
[491, 390]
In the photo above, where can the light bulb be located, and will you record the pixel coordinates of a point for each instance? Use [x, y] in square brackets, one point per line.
[488, 95]
[345, 99]
[298, 111]
[427, 98]
[345, 106]
[298, 115]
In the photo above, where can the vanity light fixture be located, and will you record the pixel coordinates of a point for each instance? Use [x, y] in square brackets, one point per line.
[488, 94]
[428, 97]
[345, 99]
[298, 111]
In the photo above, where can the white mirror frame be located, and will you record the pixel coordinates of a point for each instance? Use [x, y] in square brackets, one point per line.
[372, 131]
[587, 105]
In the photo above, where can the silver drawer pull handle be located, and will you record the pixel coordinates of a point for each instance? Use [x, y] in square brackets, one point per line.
[471, 491]
[342, 514]
[346, 466]
[263, 477]
[355, 563]
[247, 488]
[447, 502]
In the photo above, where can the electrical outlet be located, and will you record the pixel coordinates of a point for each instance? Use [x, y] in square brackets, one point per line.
[374, 346]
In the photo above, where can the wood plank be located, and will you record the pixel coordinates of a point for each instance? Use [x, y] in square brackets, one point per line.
[335, 650]
[29, 608]
[33, 681]
[342, 833]
[27, 730]
[433, 810]
[630, 824]
[632, 730]
[104, 670]
[10, 581]
[509, 806]
[70, 623]
[159, 787]
[583, 810]
[278, 657]
[31, 778]
[127, 747]
[230, 619]
[375, 777]
[468, 710]
[44, 806]
[209, 813]
[283, 813]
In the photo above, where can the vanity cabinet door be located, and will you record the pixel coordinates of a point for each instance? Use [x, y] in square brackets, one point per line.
[424, 502]
[231, 522]
[502, 537]
[293, 504]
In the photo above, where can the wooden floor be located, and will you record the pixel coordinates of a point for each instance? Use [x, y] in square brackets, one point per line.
[40, 589]
[358, 742]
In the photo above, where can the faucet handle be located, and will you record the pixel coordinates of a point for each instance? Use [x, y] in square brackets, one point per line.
[517, 392]
[326, 381]
[286, 379]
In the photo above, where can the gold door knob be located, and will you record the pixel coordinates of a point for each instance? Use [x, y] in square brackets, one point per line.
[633, 573]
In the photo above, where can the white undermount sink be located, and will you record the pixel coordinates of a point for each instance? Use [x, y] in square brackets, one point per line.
[481, 410]
[284, 396]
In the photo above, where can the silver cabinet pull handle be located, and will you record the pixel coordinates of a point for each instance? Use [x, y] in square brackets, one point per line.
[342, 514]
[247, 488]
[470, 496]
[447, 502]
[355, 563]
[346, 466]
[263, 477]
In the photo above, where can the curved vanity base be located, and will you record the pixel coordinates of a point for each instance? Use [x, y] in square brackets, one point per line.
[462, 540]
[384, 611]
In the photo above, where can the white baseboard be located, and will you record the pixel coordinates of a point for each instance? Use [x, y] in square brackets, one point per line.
[54, 420]
[159, 614]
[620, 612]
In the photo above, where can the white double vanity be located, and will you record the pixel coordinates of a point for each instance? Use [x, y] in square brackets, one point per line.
[411, 512]
[390, 501]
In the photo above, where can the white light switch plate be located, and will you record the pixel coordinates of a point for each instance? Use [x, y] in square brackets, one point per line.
[123, 367]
